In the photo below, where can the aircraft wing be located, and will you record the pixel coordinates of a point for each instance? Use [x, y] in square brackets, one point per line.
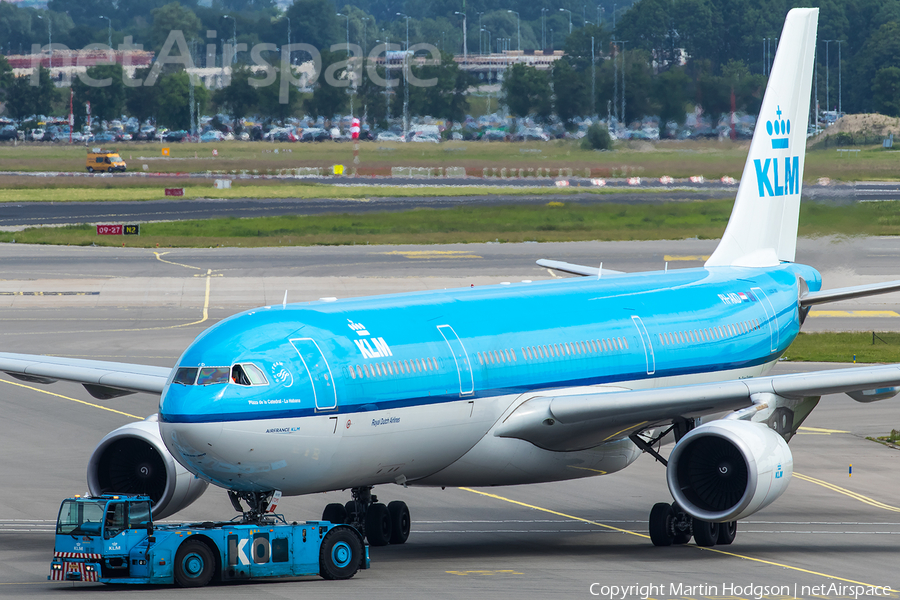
[101, 379]
[576, 422]
[848, 293]
[558, 265]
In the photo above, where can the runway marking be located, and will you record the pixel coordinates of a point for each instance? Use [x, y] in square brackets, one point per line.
[91, 404]
[645, 536]
[429, 254]
[846, 492]
[817, 430]
[159, 257]
[49, 293]
[483, 573]
[671, 258]
[853, 313]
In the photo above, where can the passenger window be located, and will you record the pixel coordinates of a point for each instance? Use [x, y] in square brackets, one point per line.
[213, 375]
[359, 372]
[352, 372]
[185, 375]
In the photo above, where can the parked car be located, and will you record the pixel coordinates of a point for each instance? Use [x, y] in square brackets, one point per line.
[104, 137]
[315, 134]
[175, 136]
[425, 137]
[37, 135]
[388, 136]
[8, 133]
[211, 136]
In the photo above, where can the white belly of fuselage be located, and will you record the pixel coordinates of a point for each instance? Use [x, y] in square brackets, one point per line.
[446, 444]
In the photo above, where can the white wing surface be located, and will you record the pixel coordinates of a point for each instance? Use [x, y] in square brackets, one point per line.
[102, 379]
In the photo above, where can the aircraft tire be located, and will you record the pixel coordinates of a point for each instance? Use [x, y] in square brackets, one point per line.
[194, 564]
[340, 554]
[400, 522]
[355, 514]
[705, 533]
[334, 513]
[378, 525]
[661, 524]
[727, 533]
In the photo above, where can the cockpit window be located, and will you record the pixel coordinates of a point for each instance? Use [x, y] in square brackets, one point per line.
[248, 374]
[185, 375]
[212, 375]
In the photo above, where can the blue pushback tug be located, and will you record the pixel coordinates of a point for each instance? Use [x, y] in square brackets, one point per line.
[112, 539]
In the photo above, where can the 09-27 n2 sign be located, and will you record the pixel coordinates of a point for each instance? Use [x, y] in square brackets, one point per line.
[119, 229]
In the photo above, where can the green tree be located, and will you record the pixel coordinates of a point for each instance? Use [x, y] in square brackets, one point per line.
[327, 99]
[526, 90]
[269, 99]
[238, 97]
[373, 98]
[571, 91]
[106, 101]
[24, 99]
[672, 93]
[173, 110]
[315, 22]
[141, 101]
[6, 77]
[886, 91]
[173, 17]
[446, 99]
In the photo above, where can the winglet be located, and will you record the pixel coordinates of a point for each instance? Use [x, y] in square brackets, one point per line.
[762, 230]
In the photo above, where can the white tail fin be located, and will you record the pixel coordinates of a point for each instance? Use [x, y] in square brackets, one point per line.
[762, 230]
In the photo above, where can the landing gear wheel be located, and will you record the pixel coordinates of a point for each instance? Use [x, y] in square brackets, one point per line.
[661, 533]
[90, 169]
[378, 525]
[727, 533]
[400, 522]
[681, 538]
[194, 564]
[355, 513]
[334, 513]
[340, 554]
[706, 533]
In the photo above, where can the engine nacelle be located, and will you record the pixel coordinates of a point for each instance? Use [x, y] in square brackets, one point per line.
[726, 470]
[133, 460]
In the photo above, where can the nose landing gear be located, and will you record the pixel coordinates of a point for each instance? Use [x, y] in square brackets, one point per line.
[382, 525]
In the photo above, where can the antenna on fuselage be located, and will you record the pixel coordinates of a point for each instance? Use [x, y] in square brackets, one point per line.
[284, 302]
[600, 271]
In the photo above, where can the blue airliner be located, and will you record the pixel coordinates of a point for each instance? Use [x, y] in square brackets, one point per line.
[508, 384]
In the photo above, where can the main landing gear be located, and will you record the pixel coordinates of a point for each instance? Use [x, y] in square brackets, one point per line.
[380, 524]
[671, 525]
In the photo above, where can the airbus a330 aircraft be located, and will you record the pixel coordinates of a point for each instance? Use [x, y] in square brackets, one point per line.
[508, 384]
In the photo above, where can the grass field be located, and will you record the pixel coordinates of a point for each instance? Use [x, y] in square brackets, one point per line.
[712, 159]
[843, 347]
[553, 221]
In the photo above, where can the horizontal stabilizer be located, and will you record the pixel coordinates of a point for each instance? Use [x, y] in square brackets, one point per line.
[848, 293]
[106, 378]
[558, 265]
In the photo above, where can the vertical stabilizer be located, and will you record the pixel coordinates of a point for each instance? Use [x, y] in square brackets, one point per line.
[762, 230]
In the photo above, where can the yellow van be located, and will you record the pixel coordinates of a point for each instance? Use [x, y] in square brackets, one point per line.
[104, 161]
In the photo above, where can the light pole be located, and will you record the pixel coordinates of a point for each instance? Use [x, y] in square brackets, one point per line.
[552, 44]
[349, 69]
[365, 21]
[827, 96]
[487, 31]
[570, 17]
[465, 39]
[49, 37]
[593, 81]
[405, 80]
[480, 47]
[109, 31]
[840, 108]
[233, 37]
[543, 35]
[518, 30]
[599, 10]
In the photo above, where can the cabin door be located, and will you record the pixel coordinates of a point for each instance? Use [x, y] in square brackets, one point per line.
[463, 367]
[319, 373]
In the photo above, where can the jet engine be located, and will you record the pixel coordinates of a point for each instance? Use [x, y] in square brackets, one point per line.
[133, 460]
[726, 470]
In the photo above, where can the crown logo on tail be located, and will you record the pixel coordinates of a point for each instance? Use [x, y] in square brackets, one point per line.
[779, 127]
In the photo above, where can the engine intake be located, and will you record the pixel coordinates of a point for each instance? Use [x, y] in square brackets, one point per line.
[726, 470]
[133, 460]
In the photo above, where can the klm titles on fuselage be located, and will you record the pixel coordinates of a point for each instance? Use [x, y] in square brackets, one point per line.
[770, 179]
[369, 346]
